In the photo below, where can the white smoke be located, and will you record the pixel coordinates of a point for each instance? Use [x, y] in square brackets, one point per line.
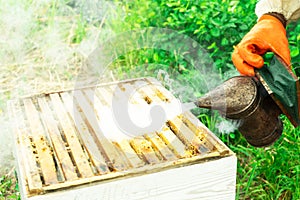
[227, 126]
[37, 54]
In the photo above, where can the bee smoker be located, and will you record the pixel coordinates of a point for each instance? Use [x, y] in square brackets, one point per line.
[257, 102]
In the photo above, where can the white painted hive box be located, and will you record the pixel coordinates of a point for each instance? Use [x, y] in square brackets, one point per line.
[68, 146]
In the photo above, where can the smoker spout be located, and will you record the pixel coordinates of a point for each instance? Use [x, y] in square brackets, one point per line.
[232, 98]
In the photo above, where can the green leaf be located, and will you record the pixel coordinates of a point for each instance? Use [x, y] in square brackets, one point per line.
[182, 10]
[215, 32]
[232, 135]
[156, 57]
[224, 42]
[213, 45]
[243, 27]
[294, 51]
[216, 22]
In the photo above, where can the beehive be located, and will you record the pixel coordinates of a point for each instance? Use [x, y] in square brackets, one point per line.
[67, 146]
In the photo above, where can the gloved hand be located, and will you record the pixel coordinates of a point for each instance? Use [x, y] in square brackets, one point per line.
[268, 34]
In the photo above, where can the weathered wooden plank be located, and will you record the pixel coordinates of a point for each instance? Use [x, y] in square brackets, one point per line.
[186, 135]
[202, 134]
[199, 129]
[122, 87]
[97, 92]
[134, 96]
[146, 92]
[45, 157]
[144, 149]
[168, 137]
[201, 143]
[136, 112]
[159, 90]
[108, 126]
[78, 154]
[63, 159]
[166, 93]
[85, 135]
[107, 123]
[130, 154]
[153, 91]
[111, 154]
[160, 146]
[105, 95]
[100, 109]
[173, 142]
[25, 157]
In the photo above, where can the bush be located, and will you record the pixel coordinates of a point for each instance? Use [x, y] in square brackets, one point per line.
[216, 25]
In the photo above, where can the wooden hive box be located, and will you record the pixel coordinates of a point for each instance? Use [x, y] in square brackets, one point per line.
[68, 147]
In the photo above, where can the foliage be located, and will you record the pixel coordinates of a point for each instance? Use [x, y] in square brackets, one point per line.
[271, 172]
[293, 31]
[217, 25]
[8, 188]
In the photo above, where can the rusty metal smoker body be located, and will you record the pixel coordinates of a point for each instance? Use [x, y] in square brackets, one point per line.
[244, 99]
[250, 100]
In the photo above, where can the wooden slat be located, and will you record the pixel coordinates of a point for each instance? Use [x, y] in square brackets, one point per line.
[200, 133]
[111, 154]
[166, 93]
[159, 90]
[166, 135]
[108, 125]
[42, 145]
[99, 107]
[105, 95]
[133, 159]
[160, 146]
[153, 91]
[106, 121]
[144, 148]
[58, 144]
[186, 135]
[207, 142]
[201, 143]
[100, 96]
[26, 158]
[70, 134]
[198, 128]
[134, 96]
[127, 91]
[146, 92]
[88, 141]
[130, 154]
[173, 142]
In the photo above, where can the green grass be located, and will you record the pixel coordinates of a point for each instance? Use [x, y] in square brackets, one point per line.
[270, 172]
[8, 188]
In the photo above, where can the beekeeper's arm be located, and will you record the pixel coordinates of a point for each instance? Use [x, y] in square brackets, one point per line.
[268, 34]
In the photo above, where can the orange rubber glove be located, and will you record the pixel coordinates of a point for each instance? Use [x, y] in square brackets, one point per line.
[268, 34]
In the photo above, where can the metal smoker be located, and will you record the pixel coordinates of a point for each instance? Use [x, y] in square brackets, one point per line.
[257, 102]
